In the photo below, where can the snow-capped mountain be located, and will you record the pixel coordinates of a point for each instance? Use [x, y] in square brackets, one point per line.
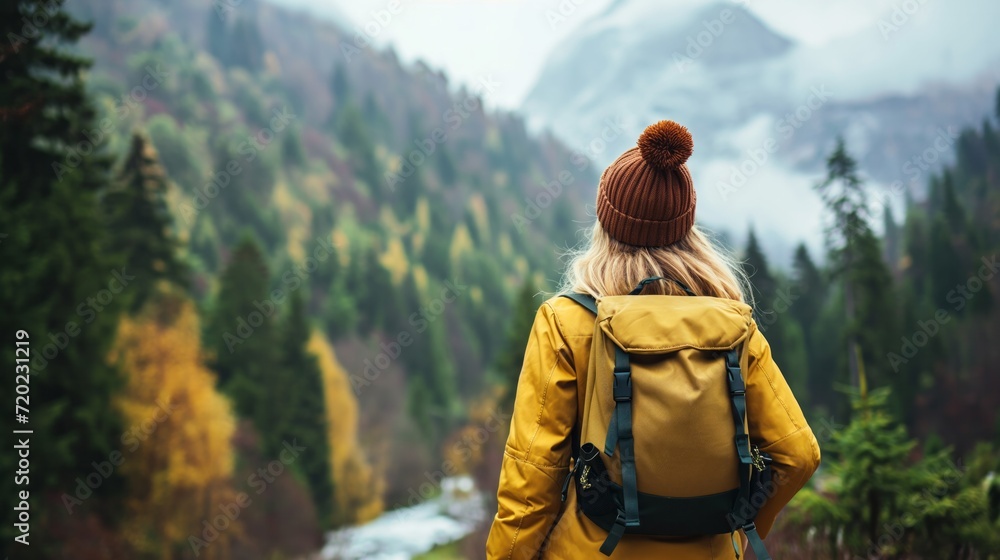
[764, 111]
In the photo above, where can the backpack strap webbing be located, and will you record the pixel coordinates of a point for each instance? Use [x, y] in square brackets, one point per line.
[737, 395]
[615, 534]
[756, 543]
[620, 433]
[587, 301]
[738, 398]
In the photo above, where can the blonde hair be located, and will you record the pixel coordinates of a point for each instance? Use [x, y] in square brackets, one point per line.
[606, 267]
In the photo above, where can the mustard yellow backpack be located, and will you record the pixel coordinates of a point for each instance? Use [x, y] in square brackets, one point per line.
[665, 403]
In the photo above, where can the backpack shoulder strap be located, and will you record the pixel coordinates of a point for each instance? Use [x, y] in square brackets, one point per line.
[737, 396]
[586, 300]
[619, 435]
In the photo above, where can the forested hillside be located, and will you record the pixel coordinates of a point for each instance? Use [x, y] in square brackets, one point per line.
[890, 345]
[290, 139]
[309, 250]
[922, 287]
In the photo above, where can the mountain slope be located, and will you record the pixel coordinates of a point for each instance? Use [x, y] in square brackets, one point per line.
[402, 209]
[738, 85]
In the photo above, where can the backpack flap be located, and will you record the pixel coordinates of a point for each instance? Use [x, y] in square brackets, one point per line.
[655, 324]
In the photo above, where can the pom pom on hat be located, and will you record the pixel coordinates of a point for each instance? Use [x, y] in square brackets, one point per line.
[666, 145]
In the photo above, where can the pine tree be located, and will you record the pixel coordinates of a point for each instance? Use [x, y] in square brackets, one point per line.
[772, 303]
[446, 166]
[353, 133]
[511, 357]
[56, 270]
[321, 227]
[305, 407]
[952, 208]
[217, 36]
[141, 224]
[997, 108]
[203, 243]
[339, 313]
[869, 477]
[246, 47]
[765, 287]
[356, 284]
[809, 287]
[244, 336]
[856, 259]
[947, 266]
[293, 152]
[916, 250]
[892, 236]
[339, 85]
[407, 192]
[237, 44]
[430, 370]
[437, 373]
[887, 506]
[375, 294]
[876, 326]
[792, 356]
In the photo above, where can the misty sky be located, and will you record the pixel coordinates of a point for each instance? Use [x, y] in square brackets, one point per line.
[510, 39]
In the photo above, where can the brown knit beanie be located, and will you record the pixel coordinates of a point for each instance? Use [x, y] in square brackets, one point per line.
[646, 197]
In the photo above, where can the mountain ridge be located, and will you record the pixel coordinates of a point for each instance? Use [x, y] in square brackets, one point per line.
[734, 98]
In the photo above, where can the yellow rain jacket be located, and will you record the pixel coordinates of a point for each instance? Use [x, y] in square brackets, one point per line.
[531, 520]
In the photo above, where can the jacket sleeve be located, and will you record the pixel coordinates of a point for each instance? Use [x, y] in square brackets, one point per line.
[537, 454]
[779, 428]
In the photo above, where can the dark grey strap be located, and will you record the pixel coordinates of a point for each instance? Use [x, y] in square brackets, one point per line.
[626, 444]
[611, 440]
[587, 301]
[614, 535]
[756, 543]
[737, 396]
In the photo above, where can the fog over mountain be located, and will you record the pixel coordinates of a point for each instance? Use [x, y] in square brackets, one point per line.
[765, 110]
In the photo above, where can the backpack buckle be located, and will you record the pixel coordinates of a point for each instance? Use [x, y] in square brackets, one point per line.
[743, 449]
[623, 386]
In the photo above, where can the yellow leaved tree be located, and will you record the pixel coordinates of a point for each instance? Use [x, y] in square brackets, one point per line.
[176, 451]
[357, 489]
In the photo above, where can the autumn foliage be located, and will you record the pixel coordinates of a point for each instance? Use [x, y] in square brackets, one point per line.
[178, 456]
[357, 489]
